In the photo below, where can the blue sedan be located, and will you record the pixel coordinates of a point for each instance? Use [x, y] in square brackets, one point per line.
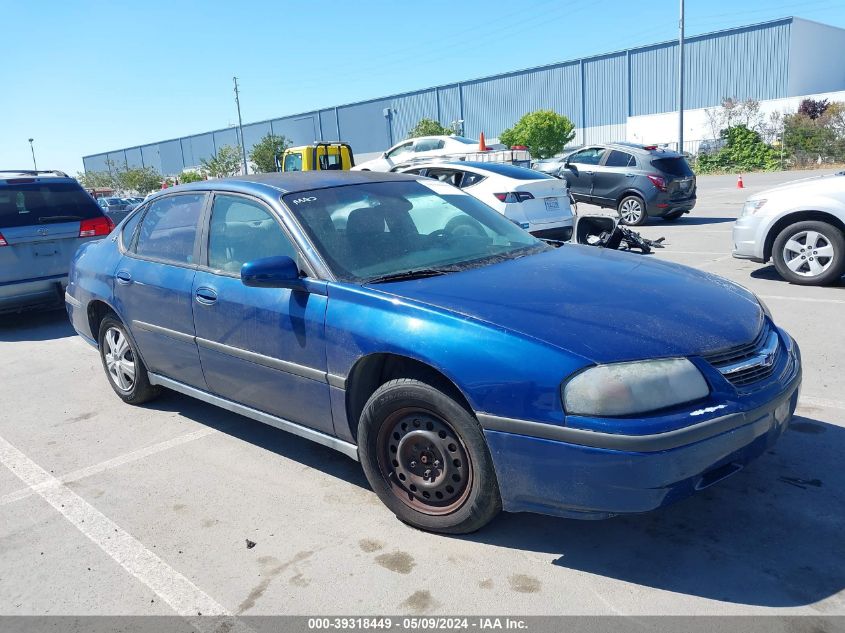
[469, 366]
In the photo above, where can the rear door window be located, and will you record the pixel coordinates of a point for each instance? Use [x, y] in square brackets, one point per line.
[589, 156]
[620, 159]
[676, 166]
[169, 228]
[128, 231]
[30, 203]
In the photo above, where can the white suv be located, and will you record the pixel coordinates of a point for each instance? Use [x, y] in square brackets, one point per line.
[800, 226]
[422, 148]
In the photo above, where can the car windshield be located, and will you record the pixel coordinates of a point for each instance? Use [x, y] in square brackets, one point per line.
[30, 203]
[373, 230]
[510, 171]
[464, 140]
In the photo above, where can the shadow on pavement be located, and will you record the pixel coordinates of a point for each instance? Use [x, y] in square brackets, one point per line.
[35, 326]
[772, 535]
[693, 220]
[287, 445]
[770, 273]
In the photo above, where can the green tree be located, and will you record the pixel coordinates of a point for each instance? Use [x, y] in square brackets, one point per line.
[96, 179]
[263, 154]
[141, 179]
[226, 162]
[429, 127]
[544, 132]
[189, 176]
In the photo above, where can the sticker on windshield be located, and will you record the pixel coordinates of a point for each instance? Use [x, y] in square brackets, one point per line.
[304, 200]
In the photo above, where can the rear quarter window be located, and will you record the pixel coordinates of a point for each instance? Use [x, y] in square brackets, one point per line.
[31, 203]
[673, 166]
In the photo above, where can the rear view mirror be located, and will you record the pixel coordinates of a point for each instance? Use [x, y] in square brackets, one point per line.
[272, 272]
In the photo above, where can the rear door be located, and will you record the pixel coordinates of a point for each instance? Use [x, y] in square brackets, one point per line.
[153, 284]
[613, 176]
[580, 171]
[41, 222]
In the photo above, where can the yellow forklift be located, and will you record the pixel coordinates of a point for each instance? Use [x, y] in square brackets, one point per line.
[319, 156]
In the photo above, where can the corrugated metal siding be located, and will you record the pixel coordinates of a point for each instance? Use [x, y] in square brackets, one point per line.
[254, 133]
[495, 104]
[196, 148]
[97, 162]
[364, 127]
[133, 157]
[171, 157]
[654, 79]
[604, 90]
[407, 110]
[299, 130]
[749, 63]
[151, 157]
[226, 137]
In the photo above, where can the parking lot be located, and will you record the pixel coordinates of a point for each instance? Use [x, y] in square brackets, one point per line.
[179, 506]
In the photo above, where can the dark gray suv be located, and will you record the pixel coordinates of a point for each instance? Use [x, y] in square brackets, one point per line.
[637, 180]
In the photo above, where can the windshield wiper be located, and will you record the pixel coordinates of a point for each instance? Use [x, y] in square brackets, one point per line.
[59, 218]
[415, 273]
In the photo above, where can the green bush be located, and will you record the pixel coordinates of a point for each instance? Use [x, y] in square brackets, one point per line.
[544, 132]
[190, 176]
[429, 127]
[744, 151]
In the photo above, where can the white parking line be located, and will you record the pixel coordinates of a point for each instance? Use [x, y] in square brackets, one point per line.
[173, 588]
[76, 475]
[805, 299]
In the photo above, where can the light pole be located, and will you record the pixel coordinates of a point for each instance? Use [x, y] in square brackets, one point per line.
[240, 124]
[681, 81]
[32, 148]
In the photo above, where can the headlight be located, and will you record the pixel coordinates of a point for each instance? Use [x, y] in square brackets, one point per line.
[752, 206]
[636, 387]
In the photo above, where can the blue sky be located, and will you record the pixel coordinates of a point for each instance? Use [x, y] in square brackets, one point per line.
[87, 76]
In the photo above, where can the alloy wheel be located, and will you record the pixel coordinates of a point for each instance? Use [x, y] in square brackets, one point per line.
[631, 210]
[808, 253]
[120, 361]
[425, 461]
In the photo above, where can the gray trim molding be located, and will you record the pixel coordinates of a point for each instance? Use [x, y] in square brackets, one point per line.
[347, 448]
[157, 329]
[266, 361]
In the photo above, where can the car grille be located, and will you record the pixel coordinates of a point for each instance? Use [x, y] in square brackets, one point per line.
[749, 363]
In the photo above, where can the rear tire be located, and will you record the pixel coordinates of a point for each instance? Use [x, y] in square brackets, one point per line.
[810, 253]
[124, 368]
[632, 211]
[426, 458]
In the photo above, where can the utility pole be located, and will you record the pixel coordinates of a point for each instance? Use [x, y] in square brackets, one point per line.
[34, 166]
[240, 124]
[681, 81]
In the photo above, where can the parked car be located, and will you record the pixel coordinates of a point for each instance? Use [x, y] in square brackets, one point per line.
[536, 202]
[114, 207]
[800, 226]
[467, 371]
[424, 147]
[44, 217]
[639, 181]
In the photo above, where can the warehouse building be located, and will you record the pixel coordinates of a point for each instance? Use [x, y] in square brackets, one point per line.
[624, 95]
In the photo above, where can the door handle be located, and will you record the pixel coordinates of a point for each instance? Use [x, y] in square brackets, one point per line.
[206, 296]
[123, 277]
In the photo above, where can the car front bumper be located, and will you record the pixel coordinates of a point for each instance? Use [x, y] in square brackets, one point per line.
[748, 238]
[596, 475]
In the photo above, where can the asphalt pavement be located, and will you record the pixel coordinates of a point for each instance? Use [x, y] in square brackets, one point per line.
[181, 507]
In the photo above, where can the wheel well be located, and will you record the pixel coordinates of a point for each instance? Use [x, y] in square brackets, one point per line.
[97, 311]
[792, 218]
[372, 371]
[630, 192]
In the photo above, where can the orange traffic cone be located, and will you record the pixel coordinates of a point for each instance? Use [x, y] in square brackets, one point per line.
[482, 146]
[739, 184]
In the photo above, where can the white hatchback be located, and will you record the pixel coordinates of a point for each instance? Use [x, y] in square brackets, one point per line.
[537, 202]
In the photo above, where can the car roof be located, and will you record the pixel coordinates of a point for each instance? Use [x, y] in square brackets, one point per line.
[651, 150]
[472, 164]
[291, 182]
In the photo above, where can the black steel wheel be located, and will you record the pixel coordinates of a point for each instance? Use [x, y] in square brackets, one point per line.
[426, 458]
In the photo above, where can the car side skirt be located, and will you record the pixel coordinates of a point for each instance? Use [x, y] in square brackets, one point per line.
[347, 448]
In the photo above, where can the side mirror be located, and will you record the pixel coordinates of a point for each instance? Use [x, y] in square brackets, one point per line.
[567, 164]
[272, 272]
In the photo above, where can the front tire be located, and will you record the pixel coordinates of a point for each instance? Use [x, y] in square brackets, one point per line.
[123, 366]
[810, 253]
[426, 458]
[632, 211]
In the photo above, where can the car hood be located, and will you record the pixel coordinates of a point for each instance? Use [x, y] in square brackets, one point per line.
[833, 182]
[600, 304]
